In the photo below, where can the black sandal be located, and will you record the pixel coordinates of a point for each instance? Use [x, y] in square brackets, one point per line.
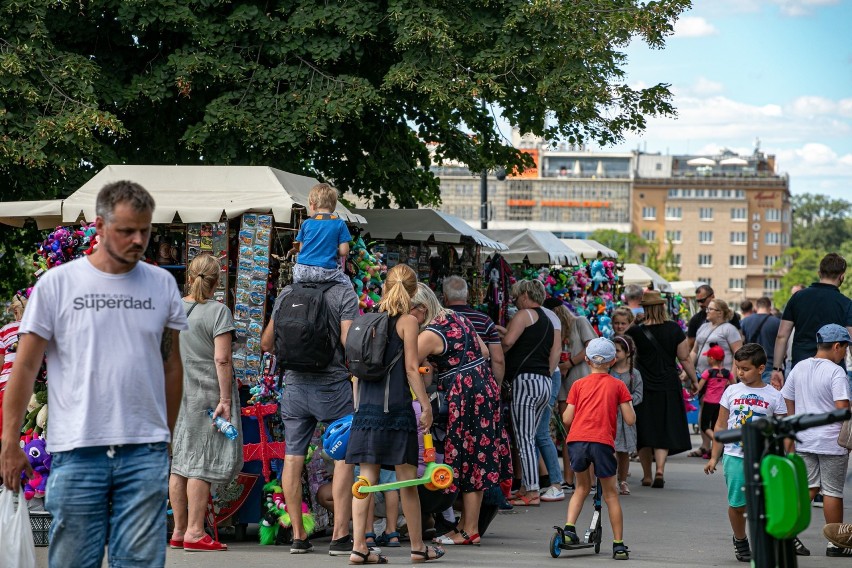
[365, 558]
[424, 554]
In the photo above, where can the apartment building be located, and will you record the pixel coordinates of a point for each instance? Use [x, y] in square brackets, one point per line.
[726, 217]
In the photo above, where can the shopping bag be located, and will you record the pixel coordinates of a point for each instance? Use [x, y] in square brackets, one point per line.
[16, 535]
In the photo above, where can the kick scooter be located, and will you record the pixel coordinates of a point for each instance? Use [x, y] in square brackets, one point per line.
[778, 504]
[593, 535]
[437, 476]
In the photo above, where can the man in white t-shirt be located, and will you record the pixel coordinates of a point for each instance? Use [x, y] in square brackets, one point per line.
[110, 326]
[816, 385]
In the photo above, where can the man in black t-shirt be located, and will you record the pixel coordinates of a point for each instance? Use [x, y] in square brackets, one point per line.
[819, 304]
[762, 328]
[703, 295]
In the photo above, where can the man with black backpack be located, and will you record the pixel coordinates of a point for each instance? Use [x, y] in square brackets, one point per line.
[762, 328]
[307, 334]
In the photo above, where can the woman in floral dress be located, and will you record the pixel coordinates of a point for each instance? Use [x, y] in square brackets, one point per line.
[476, 447]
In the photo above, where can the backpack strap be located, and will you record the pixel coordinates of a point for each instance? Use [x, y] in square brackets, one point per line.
[357, 394]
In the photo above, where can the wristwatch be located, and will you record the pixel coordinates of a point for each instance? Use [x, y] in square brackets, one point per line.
[779, 369]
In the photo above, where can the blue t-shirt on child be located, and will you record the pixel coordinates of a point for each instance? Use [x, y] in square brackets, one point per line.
[320, 236]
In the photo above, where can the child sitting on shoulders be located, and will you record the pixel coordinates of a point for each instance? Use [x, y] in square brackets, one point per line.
[321, 240]
[593, 404]
[716, 379]
[740, 404]
[625, 435]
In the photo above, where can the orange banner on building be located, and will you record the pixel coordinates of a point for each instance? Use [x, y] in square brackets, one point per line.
[587, 204]
[521, 202]
[529, 172]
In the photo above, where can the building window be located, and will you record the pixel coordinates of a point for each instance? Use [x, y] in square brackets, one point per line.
[649, 213]
[643, 258]
[785, 239]
[705, 260]
[739, 214]
[769, 261]
[738, 261]
[649, 235]
[739, 238]
[677, 259]
[736, 283]
[705, 213]
[771, 284]
[739, 194]
[772, 215]
[773, 238]
[705, 237]
[673, 236]
[708, 281]
[674, 213]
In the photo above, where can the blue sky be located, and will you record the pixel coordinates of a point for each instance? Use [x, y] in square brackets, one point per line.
[777, 70]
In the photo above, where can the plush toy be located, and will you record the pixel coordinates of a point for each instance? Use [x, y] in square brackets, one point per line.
[35, 448]
[598, 274]
[276, 515]
[605, 326]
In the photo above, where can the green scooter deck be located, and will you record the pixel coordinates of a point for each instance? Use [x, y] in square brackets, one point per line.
[363, 487]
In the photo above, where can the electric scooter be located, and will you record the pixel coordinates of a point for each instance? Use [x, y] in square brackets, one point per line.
[593, 535]
[778, 504]
[437, 476]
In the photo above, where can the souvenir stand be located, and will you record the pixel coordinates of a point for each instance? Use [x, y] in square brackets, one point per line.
[434, 244]
[246, 216]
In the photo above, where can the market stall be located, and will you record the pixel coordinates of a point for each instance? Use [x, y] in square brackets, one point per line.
[590, 249]
[246, 217]
[434, 244]
[534, 248]
[645, 277]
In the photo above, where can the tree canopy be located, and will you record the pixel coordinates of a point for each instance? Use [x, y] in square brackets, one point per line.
[629, 246]
[350, 92]
[821, 222]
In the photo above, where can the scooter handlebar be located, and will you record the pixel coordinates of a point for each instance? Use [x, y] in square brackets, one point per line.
[804, 421]
[729, 436]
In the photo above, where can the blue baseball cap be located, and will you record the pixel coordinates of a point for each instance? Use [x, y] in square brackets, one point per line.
[601, 351]
[833, 333]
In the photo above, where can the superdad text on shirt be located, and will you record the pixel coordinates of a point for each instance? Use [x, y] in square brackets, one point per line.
[100, 302]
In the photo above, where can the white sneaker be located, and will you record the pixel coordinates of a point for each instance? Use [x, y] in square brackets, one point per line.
[553, 494]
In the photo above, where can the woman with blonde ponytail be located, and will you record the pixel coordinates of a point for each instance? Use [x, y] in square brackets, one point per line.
[201, 455]
[384, 428]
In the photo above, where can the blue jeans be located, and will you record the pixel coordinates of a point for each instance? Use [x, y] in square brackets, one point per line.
[543, 441]
[766, 376]
[82, 485]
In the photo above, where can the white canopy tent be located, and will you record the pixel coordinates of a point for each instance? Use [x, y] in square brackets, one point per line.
[589, 249]
[199, 194]
[422, 225]
[46, 214]
[645, 277]
[686, 288]
[536, 247]
[701, 162]
[733, 162]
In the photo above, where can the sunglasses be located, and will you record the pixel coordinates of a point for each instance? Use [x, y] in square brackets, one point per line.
[702, 300]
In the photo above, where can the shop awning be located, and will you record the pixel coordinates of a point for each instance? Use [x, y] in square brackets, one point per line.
[47, 214]
[536, 247]
[589, 249]
[686, 288]
[645, 277]
[421, 225]
[202, 193]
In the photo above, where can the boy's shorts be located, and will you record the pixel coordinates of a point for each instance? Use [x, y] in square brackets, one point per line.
[826, 472]
[308, 273]
[584, 454]
[735, 479]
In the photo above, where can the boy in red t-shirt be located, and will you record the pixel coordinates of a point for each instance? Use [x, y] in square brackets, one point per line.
[593, 404]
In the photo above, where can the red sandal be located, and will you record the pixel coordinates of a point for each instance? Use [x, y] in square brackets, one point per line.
[206, 544]
[524, 501]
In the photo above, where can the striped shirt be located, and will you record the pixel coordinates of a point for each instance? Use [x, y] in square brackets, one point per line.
[483, 324]
[9, 347]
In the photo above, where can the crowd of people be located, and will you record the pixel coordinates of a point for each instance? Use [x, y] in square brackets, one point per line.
[487, 394]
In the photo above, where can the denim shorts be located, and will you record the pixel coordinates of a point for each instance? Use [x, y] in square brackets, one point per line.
[115, 491]
[584, 454]
[302, 406]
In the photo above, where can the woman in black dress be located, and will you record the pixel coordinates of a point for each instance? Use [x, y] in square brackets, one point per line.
[661, 418]
[384, 432]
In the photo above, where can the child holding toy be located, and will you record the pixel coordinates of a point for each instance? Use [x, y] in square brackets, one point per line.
[625, 435]
[591, 415]
[716, 379]
[321, 239]
[740, 404]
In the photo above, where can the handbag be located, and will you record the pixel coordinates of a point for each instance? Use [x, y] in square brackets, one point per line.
[16, 534]
[844, 439]
[507, 389]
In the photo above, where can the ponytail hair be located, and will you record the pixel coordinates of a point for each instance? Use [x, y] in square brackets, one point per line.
[203, 274]
[400, 286]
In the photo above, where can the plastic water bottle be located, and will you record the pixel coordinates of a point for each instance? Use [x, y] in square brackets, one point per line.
[225, 427]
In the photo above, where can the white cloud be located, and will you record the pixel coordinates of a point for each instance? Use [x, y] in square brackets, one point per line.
[816, 160]
[797, 8]
[693, 26]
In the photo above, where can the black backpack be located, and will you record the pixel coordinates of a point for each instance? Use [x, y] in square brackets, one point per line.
[365, 347]
[302, 336]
